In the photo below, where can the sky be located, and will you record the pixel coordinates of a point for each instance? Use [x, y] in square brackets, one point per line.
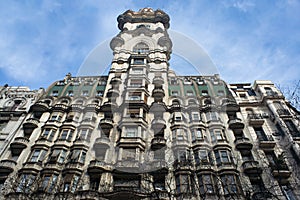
[247, 40]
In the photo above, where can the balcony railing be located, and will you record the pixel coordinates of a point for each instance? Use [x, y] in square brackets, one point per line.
[266, 142]
[236, 123]
[283, 112]
[158, 142]
[7, 166]
[106, 123]
[251, 167]
[157, 80]
[256, 119]
[158, 93]
[19, 144]
[243, 143]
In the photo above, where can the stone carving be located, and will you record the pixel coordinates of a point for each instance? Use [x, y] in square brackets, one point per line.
[116, 42]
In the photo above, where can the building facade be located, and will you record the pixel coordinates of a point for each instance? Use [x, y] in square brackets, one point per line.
[142, 132]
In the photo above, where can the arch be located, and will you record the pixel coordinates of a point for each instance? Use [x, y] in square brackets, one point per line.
[141, 47]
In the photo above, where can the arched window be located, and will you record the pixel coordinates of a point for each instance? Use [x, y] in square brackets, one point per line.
[141, 48]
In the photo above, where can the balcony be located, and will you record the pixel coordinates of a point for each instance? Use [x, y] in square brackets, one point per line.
[77, 107]
[251, 167]
[30, 125]
[183, 165]
[243, 143]
[158, 93]
[230, 105]
[283, 112]
[158, 142]
[7, 166]
[54, 166]
[267, 142]
[116, 80]
[40, 107]
[18, 145]
[60, 107]
[109, 106]
[97, 166]
[255, 119]
[157, 80]
[158, 124]
[281, 172]
[155, 166]
[113, 92]
[236, 124]
[89, 121]
[181, 142]
[106, 123]
[158, 107]
[74, 166]
[128, 166]
[102, 143]
[131, 142]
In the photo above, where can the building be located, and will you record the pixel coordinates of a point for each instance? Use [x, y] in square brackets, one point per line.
[142, 132]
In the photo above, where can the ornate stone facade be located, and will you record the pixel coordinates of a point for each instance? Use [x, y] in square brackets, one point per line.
[142, 132]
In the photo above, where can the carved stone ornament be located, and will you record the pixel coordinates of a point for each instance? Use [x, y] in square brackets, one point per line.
[116, 42]
[165, 42]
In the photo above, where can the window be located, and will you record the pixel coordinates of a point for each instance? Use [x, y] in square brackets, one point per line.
[179, 134]
[173, 81]
[204, 93]
[70, 183]
[175, 93]
[292, 128]
[221, 93]
[85, 93]
[289, 193]
[94, 182]
[138, 61]
[269, 91]
[197, 134]
[183, 184]
[131, 132]
[70, 93]
[195, 116]
[38, 155]
[48, 134]
[223, 157]
[216, 135]
[84, 134]
[211, 116]
[141, 47]
[48, 182]
[55, 116]
[260, 134]
[26, 182]
[136, 82]
[55, 93]
[129, 154]
[133, 113]
[202, 157]
[66, 134]
[159, 182]
[229, 183]
[99, 93]
[135, 96]
[206, 184]
[58, 156]
[137, 70]
[189, 93]
[78, 156]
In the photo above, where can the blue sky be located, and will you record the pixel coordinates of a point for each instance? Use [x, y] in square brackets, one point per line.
[41, 41]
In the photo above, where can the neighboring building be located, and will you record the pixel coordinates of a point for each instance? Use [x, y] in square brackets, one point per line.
[144, 133]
